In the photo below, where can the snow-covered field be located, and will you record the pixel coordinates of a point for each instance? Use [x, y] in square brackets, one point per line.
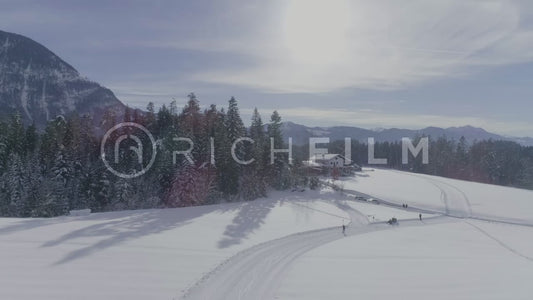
[438, 261]
[458, 198]
[289, 246]
[380, 213]
[149, 254]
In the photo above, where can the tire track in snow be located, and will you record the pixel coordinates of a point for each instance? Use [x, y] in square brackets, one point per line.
[462, 208]
[456, 202]
[468, 206]
[318, 210]
[256, 272]
[501, 243]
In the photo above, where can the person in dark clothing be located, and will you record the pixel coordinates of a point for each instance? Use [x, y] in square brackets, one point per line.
[343, 228]
[420, 217]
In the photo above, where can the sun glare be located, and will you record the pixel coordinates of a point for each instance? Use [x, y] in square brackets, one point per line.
[316, 31]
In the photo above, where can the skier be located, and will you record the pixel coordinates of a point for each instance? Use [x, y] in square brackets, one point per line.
[420, 217]
[343, 228]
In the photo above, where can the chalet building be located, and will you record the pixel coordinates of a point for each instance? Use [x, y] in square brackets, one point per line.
[329, 160]
[324, 163]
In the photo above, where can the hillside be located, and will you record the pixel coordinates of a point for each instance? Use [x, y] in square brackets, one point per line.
[289, 245]
[300, 134]
[40, 86]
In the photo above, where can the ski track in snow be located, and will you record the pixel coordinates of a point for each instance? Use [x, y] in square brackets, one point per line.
[504, 245]
[456, 203]
[257, 272]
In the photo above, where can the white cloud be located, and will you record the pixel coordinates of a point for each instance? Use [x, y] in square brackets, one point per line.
[320, 46]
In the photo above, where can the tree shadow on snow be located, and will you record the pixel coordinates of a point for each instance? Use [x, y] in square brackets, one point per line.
[251, 216]
[28, 224]
[24, 224]
[129, 227]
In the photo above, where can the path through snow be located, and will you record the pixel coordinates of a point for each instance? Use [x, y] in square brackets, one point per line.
[257, 272]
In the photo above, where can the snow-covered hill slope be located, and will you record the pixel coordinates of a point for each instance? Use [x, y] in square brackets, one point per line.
[458, 257]
[455, 197]
[459, 260]
[147, 254]
[290, 268]
[289, 246]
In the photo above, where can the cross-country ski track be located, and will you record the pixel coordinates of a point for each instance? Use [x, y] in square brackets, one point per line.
[256, 273]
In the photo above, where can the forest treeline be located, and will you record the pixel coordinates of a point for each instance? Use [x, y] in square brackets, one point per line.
[49, 173]
[487, 161]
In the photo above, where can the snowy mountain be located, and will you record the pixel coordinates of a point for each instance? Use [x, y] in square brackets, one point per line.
[300, 134]
[40, 86]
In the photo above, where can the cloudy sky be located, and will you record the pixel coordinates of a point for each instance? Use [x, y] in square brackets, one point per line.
[408, 64]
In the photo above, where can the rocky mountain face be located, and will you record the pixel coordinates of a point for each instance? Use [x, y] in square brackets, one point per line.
[40, 86]
[300, 134]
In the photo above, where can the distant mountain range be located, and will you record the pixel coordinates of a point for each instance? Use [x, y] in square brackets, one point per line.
[40, 86]
[300, 134]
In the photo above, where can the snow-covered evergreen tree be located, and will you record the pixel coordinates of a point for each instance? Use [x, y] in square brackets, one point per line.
[191, 186]
[60, 175]
[253, 181]
[234, 130]
[278, 171]
[16, 188]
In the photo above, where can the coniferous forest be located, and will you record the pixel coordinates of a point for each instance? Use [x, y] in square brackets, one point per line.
[50, 172]
[488, 161]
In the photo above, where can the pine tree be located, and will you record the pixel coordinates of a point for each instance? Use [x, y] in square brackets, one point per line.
[31, 139]
[253, 179]
[461, 159]
[210, 122]
[60, 175]
[36, 190]
[274, 129]
[235, 129]
[3, 147]
[22, 188]
[123, 194]
[191, 186]
[279, 172]
[16, 188]
[192, 126]
[164, 121]
[257, 133]
[173, 107]
[222, 152]
[16, 137]
[102, 189]
[150, 119]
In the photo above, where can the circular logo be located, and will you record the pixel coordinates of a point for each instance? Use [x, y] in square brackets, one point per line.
[133, 145]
